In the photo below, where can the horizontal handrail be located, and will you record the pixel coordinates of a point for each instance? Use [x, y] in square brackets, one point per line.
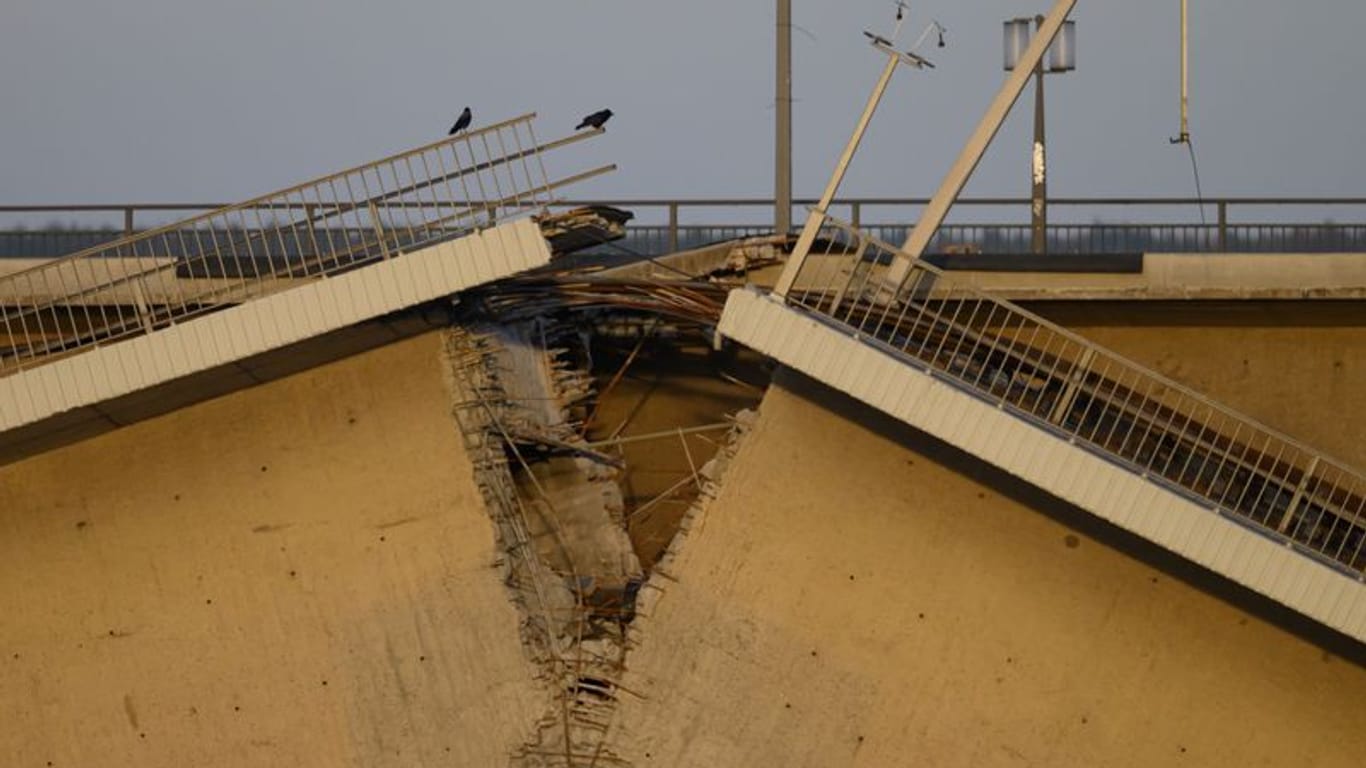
[689, 222]
[1119, 409]
[727, 202]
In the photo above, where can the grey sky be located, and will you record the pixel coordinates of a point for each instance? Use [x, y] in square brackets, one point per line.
[164, 100]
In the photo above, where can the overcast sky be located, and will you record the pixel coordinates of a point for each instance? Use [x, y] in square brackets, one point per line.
[167, 100]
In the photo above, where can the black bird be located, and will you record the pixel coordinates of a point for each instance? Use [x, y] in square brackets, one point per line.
[461, 123]
[595, 120]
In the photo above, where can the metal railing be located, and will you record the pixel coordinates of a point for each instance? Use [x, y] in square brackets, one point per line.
[1085, 225]
[322, 227]
[1063, 383]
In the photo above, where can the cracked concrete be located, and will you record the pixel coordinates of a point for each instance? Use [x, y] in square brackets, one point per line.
[570, 565]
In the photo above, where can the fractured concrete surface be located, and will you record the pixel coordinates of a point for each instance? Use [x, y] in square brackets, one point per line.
[296, 574]
[859, 595]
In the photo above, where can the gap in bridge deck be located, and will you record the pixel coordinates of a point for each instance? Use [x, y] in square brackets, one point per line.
[675, 382]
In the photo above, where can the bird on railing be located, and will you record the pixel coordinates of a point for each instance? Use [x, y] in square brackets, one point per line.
[595, 120]
[462, 122]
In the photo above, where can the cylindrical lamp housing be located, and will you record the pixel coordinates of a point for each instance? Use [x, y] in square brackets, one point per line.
[1017, 35]
[1062, 55]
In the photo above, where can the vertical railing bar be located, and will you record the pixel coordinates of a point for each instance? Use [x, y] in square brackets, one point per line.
[299, 260]
[1197, 449]
[416, 235]
[261, 234]
[1013, 357]
[1140, 419]
[432, 222]
[1267, 480]
[1253, 476]
[492, 170]
[1225, 456]
[446, 178]
[949, 324]
[1309, 500]
[422, 212]
[350, 203]
[964, 335]
[515, 193]
[387, 219]
[478, 176]
[540, 160]
[981, 347]
[1093, 396]
[530, 189]
[372, 211]
[274, 229]
[1178, 436]
[329, 219]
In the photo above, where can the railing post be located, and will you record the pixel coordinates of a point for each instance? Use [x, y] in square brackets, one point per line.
[1223, 226]
[673, 227]
[379, 230]
[1295, 500]
[1075, 378]
[856, 214]
[128, 221]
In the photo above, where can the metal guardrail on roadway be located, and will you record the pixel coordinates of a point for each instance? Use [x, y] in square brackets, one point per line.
[1061, 382]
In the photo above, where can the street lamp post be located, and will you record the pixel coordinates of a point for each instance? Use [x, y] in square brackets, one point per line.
[1062, 57]
[782, 160]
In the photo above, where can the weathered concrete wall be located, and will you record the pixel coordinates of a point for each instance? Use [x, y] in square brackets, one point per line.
[297, 574]
[1296, 366]
[860, 595]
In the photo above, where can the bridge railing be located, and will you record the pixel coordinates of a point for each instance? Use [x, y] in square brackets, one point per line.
[331, 224]
[1063, 383]
[990, 225]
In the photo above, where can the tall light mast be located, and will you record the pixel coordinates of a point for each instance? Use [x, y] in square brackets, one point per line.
[1185, 136]
[782, 105]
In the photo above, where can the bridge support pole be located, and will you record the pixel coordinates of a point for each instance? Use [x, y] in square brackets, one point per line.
[782, 141]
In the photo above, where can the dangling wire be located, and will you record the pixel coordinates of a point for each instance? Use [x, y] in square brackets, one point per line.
[1195, 169]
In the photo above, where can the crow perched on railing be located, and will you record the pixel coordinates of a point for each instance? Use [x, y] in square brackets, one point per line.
[595, 120]
[461, 123]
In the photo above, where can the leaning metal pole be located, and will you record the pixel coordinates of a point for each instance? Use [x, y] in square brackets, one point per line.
[817, 215]
[962, 169]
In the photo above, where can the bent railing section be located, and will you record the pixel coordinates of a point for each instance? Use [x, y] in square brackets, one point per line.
[1094, 398]
[329, 225]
